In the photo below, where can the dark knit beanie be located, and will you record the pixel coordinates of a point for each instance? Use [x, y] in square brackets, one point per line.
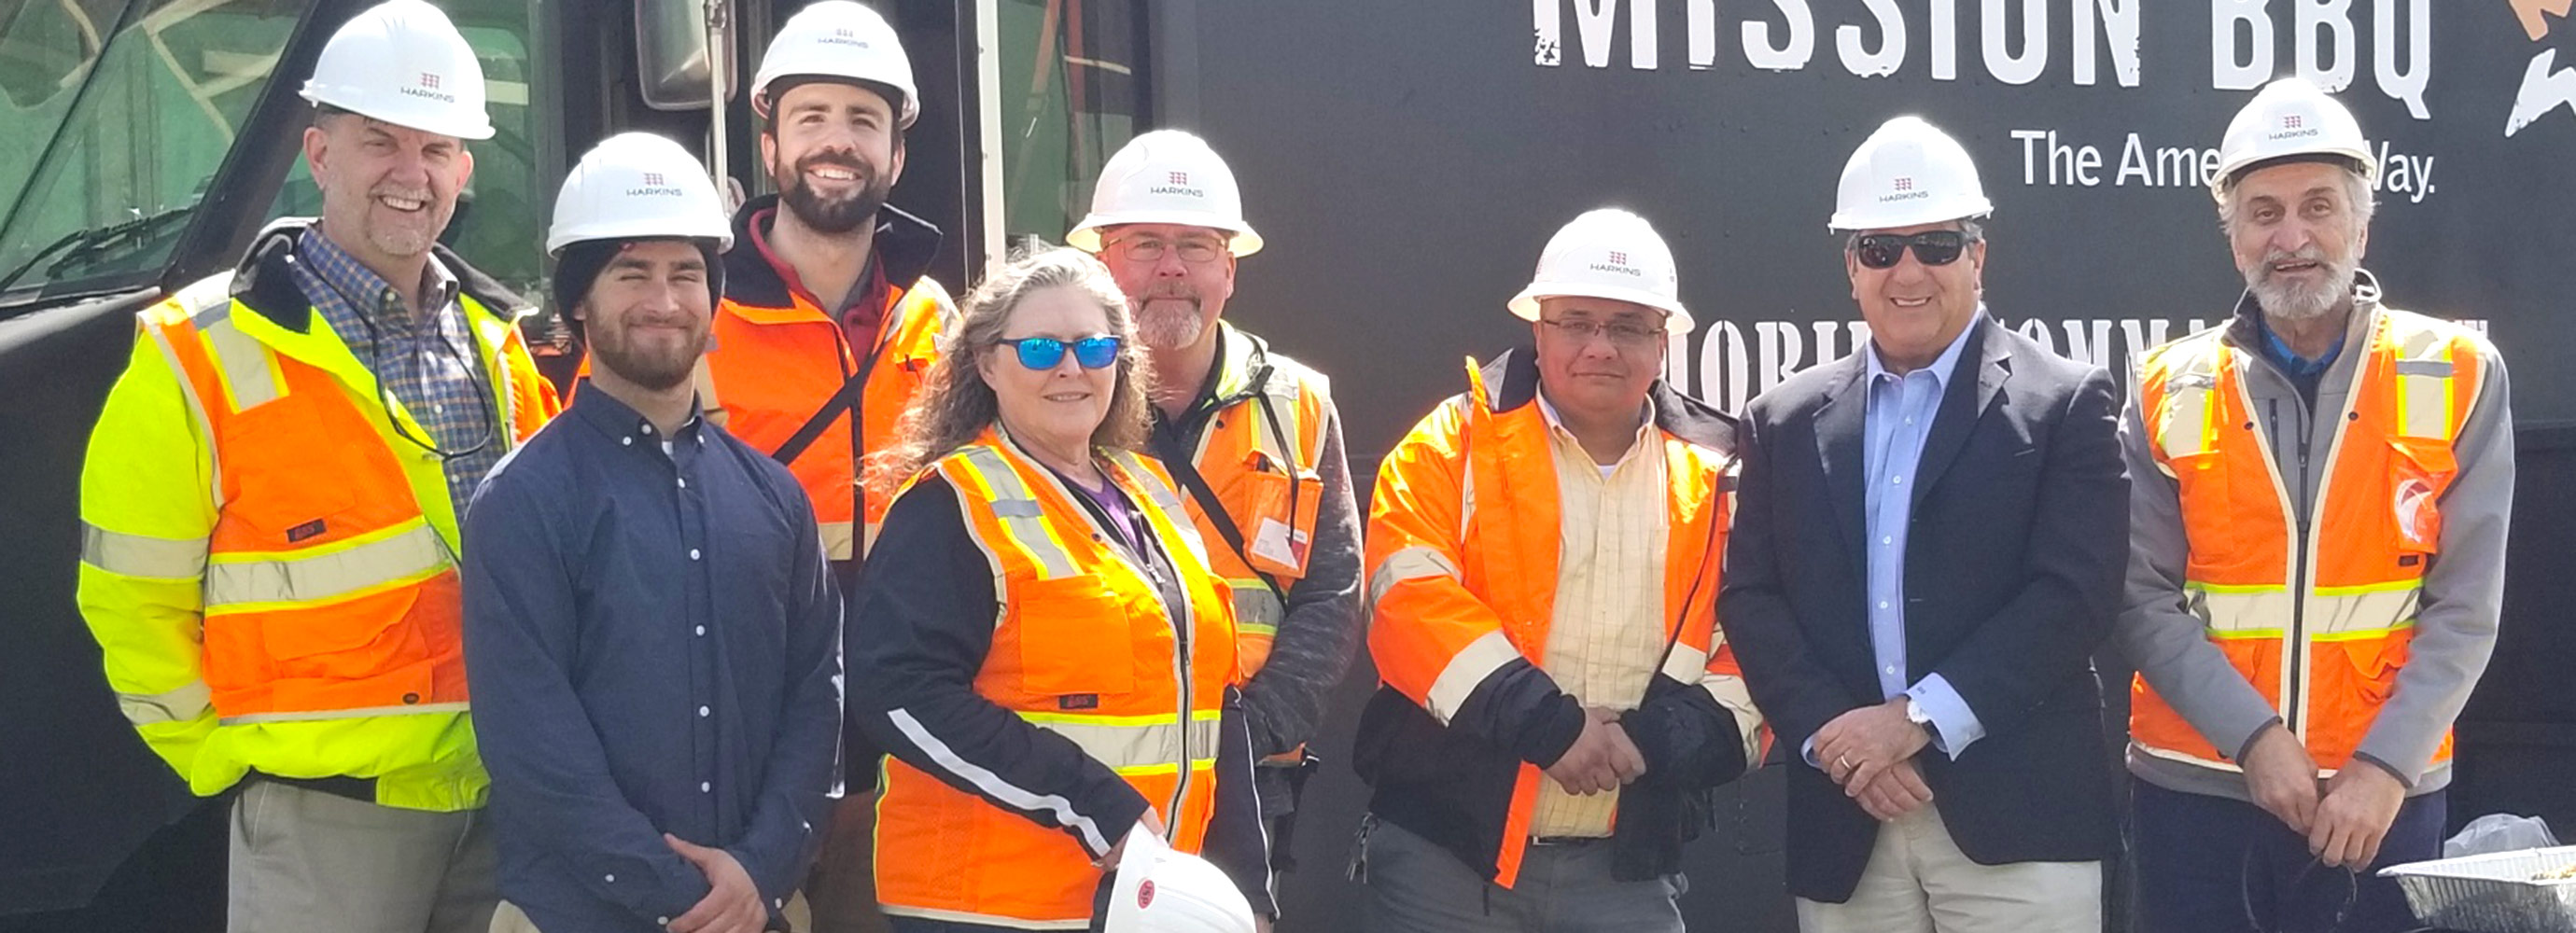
[581, 263]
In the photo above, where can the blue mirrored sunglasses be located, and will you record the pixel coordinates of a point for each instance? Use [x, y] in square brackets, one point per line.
[1045, 353]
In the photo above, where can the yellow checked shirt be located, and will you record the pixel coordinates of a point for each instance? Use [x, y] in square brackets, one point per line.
[1606, 637]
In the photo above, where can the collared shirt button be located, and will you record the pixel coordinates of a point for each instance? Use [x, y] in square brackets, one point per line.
[1887, 539]
[1894, 480]
[684, 482]
[648, 429]
[662, 921]
[702, 712]
[693, 553]
[626, 442]
[702, 631]
[611, 879]
[706, 786]
[1882, 604]
[1891, 670]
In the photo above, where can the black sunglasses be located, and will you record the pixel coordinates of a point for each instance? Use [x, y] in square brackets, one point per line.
[1933, 247]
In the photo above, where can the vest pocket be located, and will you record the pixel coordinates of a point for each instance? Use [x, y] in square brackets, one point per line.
[2420, 473]
[1073, 636]
[1280, 511]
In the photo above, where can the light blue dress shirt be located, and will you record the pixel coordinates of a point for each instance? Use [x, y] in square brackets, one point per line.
[1900, 410]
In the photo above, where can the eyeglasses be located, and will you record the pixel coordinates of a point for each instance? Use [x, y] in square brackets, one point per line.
[1045, 353]
[1933, 247]
[1149, 249]
[1623, 336]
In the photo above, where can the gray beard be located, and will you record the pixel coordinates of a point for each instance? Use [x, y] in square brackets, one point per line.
[1165, 327]
[2296, 302]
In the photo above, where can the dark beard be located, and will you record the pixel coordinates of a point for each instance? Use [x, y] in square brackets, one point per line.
[832, 217]
[650, 372]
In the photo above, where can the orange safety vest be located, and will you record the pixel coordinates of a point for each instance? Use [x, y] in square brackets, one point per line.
[770, 368]
[1150, 711]
[329, 593]
[1258, 454]
[1464, 547]
[2316, 619]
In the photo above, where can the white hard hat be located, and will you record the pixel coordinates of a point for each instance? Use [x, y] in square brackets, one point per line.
[1608, 253]
[1166, 177]
[843, 40]
[638, 185]
[2290, 117]
[1161, 890]
[402, 62]
[1908, 173]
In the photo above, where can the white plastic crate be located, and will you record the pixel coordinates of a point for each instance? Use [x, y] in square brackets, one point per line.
[2493, 893]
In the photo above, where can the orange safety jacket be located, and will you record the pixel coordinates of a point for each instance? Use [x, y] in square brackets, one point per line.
[1084, 647]
[778, 358]
[2316, 616]
[1464, 550]
[307, 620]
[1262, 436]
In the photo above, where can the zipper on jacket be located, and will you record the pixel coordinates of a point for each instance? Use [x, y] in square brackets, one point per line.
[2294, 639]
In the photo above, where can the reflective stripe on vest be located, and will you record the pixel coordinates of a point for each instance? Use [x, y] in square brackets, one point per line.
[1135, 745]
[2325, 656]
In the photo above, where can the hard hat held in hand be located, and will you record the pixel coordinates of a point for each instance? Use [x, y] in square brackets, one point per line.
[1166, 177]
[839, 40]
[638, 186]
[1908, 173]
[1608, 253]
[1161, 890]
[402, 62]
[2290, 117]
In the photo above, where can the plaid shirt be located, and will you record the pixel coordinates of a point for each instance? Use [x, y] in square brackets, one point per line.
[444, 386]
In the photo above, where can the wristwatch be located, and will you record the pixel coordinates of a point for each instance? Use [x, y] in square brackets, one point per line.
[1914, 713]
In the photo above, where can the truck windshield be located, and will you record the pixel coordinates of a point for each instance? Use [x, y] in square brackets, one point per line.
[117, 113]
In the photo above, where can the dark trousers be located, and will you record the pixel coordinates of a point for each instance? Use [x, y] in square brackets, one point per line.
[2215, 865]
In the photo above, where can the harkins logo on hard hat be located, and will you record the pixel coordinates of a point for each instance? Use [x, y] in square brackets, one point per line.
[1145, 894]
[655, 186]
[1618, 263]
[429, 88]
[1177, 183]
[2293, 126]
[848, 37]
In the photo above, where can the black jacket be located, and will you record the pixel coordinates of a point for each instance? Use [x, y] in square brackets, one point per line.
[2013, 566]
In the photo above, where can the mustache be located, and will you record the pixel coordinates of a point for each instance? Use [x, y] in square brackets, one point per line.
[2309, 253]
[836, 160]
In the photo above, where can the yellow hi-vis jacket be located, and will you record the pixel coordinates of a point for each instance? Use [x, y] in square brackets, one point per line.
[269, 569]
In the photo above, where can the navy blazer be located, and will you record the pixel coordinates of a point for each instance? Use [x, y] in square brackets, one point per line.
[2012, 579]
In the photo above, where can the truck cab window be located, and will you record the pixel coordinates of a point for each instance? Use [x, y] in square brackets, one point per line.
[113, 115]
[1073, 90]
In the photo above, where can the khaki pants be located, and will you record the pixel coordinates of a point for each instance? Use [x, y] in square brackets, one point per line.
[842, 888]
[1919, 882]
[306, 861]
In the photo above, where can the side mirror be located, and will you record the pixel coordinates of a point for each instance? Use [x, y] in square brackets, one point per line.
[671, 55]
